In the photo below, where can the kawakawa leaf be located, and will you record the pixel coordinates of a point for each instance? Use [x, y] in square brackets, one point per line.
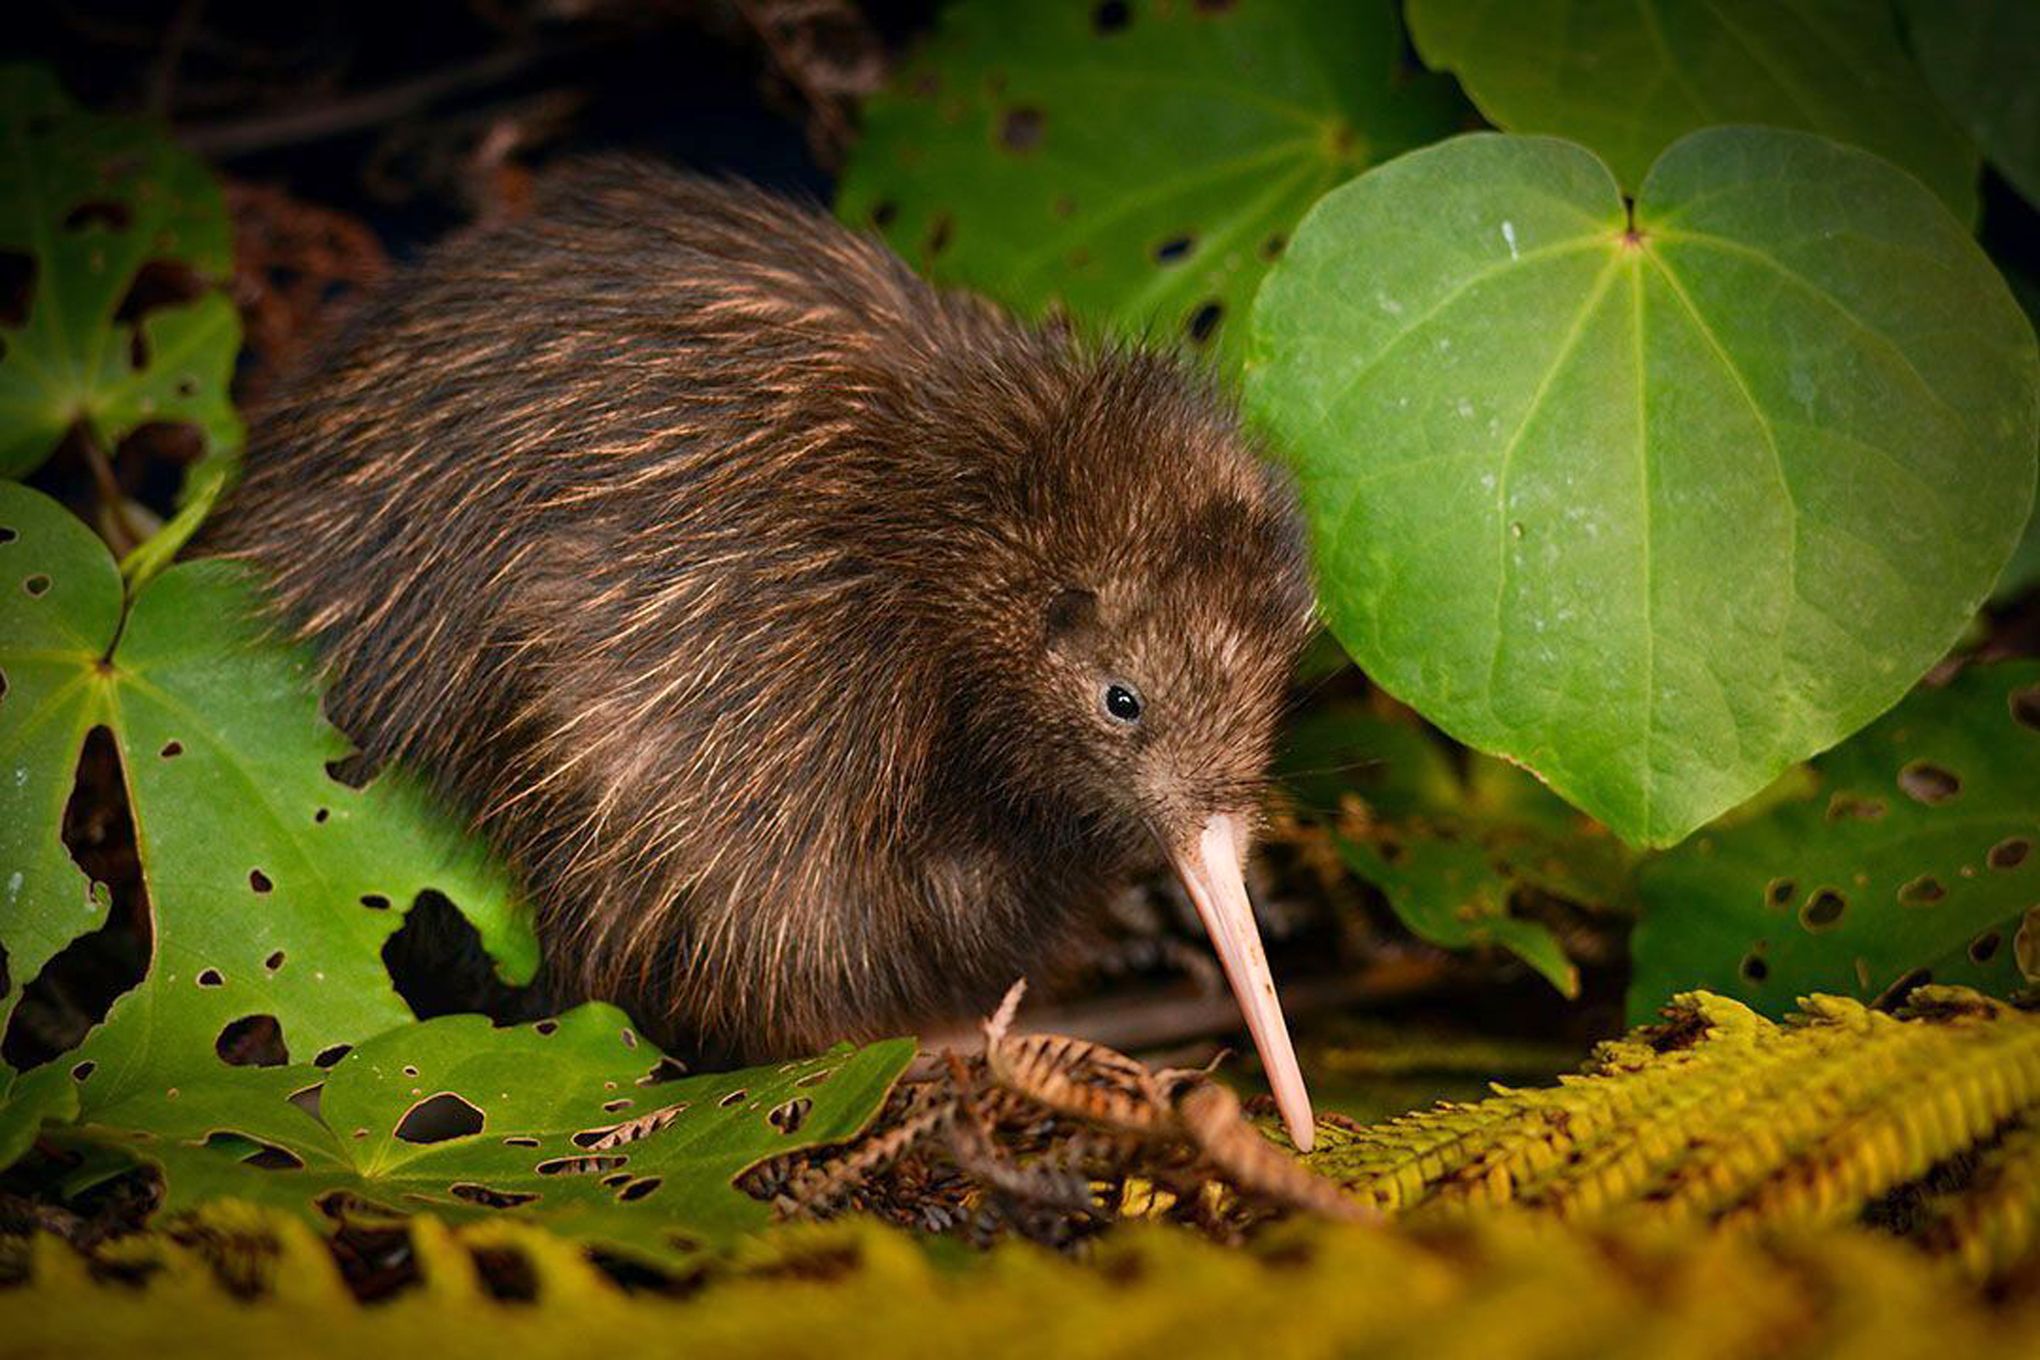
[59, 610]
[2022, 572]
[1630, 77]
[87, 204]
[271, 885]
[1447, 890]
[1654, 505]
[1915, 847]
[27, 1101]
[1981, 57]
[568, 1120]
[1136, 163]
[1452, 850]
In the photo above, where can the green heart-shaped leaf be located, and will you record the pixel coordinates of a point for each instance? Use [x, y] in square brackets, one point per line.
[568, 1120]
[1138, 164]
[271, 886]
[89, 201]
[271, 889]
[1654, 505]
[1630, 77]
[59, 609]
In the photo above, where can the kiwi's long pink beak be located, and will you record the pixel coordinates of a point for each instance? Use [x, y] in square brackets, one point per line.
[1211, 868]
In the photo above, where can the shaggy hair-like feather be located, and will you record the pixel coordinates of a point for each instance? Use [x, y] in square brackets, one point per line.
[755, 598]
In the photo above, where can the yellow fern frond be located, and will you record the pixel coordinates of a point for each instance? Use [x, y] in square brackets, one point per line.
[1993, 1223]
[1689, 1194]
[1494, 1288]
[1721, 1116]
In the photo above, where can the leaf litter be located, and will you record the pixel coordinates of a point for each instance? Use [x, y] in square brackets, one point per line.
[1052, 1138]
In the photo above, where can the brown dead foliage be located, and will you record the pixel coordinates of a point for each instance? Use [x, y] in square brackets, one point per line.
[1052, 1138]
[297, 268]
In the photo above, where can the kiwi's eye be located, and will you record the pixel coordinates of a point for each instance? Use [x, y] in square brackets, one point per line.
[1122, 703]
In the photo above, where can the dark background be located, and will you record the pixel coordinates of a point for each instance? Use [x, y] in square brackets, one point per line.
[283, 92]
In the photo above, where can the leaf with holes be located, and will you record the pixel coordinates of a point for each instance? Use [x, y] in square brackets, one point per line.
[101, 213]
[1630, 77]
[1917, 847]
[270, 885]
[1980, 56]
[59, 609]
[569, 1120]
[1654, 507]
[1136, 163]
[1454, 852]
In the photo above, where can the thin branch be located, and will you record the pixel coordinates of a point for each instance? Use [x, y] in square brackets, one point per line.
[163, 72]
[123, 534]
[829, 54]
[1153, 1020]
[356, 112]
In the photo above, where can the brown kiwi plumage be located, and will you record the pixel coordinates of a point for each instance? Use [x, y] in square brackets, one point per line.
[775, 613]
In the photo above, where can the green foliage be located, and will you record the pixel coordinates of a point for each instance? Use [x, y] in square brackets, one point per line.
[1630, 77]
[160, 549]
[2022, 572]
[27, 1101]
[1139, 164]
[271, 888]
[59, 608]
[1654, 512]
[1981, 57]
[1917, 845]
[1452, 852]
[567, 1120]
[91, 201]
[1448, 890]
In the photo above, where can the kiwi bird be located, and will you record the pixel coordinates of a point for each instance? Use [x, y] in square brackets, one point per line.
[821, 649]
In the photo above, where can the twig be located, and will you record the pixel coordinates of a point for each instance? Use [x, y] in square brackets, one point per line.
[1048, 1135]
[826, 50]
[163, 71]
[124, 534]
[1152, 1021]
[353, 113]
